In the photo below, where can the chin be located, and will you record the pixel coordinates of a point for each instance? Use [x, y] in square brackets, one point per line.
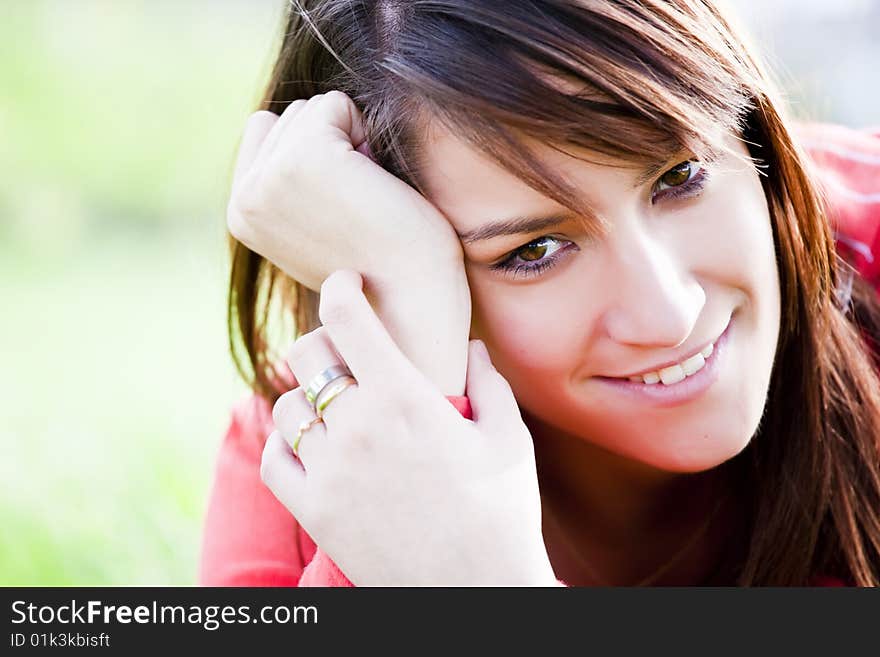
[693, 453]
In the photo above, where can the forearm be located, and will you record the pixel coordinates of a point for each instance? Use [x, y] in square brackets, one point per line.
[428, 315]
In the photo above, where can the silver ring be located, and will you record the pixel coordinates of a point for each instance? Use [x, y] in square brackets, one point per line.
[331, 391]
[320, 380]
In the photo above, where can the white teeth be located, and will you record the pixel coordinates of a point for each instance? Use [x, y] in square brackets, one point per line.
[676, 373]
[693, 364]
[672, 374]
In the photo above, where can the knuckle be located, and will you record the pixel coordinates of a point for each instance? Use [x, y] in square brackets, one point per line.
[241, 214]
[235, 223]
[247, 201]
[260, 117]
[312, 101]
[237, 214]
[267, 469]
[239, 228]
[335, 313]
[328, 287]
[335, 303]
[333, 307]
[336, 96]
[303, 344]
[282, 407]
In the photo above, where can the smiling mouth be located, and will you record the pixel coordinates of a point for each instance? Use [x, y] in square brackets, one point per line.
[676, 387]
[672, 373]
[677, 371]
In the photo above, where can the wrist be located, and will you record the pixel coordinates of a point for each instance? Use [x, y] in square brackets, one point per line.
[428, 314]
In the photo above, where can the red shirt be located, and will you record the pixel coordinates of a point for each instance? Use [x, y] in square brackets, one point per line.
[251, 539]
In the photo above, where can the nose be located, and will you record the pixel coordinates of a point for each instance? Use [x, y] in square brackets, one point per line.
[655, 301]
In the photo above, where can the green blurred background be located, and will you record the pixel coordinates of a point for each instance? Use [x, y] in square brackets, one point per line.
[119, 121]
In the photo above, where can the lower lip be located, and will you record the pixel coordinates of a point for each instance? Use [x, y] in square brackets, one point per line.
[690, 388]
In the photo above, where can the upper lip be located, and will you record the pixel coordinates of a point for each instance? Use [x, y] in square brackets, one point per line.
[675, 361]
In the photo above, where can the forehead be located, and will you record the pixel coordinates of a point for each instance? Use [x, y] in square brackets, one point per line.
[470, 188]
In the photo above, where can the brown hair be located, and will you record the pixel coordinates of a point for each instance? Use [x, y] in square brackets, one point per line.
[636, 80]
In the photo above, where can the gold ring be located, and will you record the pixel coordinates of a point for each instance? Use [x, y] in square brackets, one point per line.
[331, 392]
[303, 427]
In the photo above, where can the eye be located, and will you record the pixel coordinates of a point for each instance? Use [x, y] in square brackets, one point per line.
[535, 257]
[684, 180]
[677, 175]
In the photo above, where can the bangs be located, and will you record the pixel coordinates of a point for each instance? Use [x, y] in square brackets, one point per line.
[636, 83]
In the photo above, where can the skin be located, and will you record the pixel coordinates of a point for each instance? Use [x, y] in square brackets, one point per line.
[624, 485]
[307, 197]
[626, 488]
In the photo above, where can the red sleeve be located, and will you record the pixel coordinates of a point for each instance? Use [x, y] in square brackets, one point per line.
[249, 538]
[845, 163]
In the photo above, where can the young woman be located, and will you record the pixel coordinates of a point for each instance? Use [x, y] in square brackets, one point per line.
[607, 195]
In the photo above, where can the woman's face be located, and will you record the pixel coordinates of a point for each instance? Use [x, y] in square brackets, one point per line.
[687, 261]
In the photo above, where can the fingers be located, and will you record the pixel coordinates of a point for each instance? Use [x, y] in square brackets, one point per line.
[279, 127]
[289, 413]
[261, 133]
[359, 336]
[283, 475]
[333, 110]
[493, 403]
[312, 354]
[257, 127]
[265, 132]
[344, 115]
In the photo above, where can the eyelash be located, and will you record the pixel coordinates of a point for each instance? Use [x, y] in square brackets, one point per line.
[692, 187]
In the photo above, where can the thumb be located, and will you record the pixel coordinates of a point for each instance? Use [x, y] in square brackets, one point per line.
[494, 406]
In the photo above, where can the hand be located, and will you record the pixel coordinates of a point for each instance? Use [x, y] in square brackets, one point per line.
[306, 197]
[395, 485]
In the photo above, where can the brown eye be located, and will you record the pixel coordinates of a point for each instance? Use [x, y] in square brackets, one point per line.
[533, 251]
[677, 175]
[535, 257]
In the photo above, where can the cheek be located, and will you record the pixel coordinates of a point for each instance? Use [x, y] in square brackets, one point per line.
[532, 331]
[741, 233]
[746, 255]
[729, 240]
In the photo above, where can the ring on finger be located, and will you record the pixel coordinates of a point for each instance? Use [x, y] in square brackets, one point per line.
[330, 392]
[323, 379]
[303, 427]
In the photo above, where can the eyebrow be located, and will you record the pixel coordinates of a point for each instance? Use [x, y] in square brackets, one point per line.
[533, 224]
[514, 226]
